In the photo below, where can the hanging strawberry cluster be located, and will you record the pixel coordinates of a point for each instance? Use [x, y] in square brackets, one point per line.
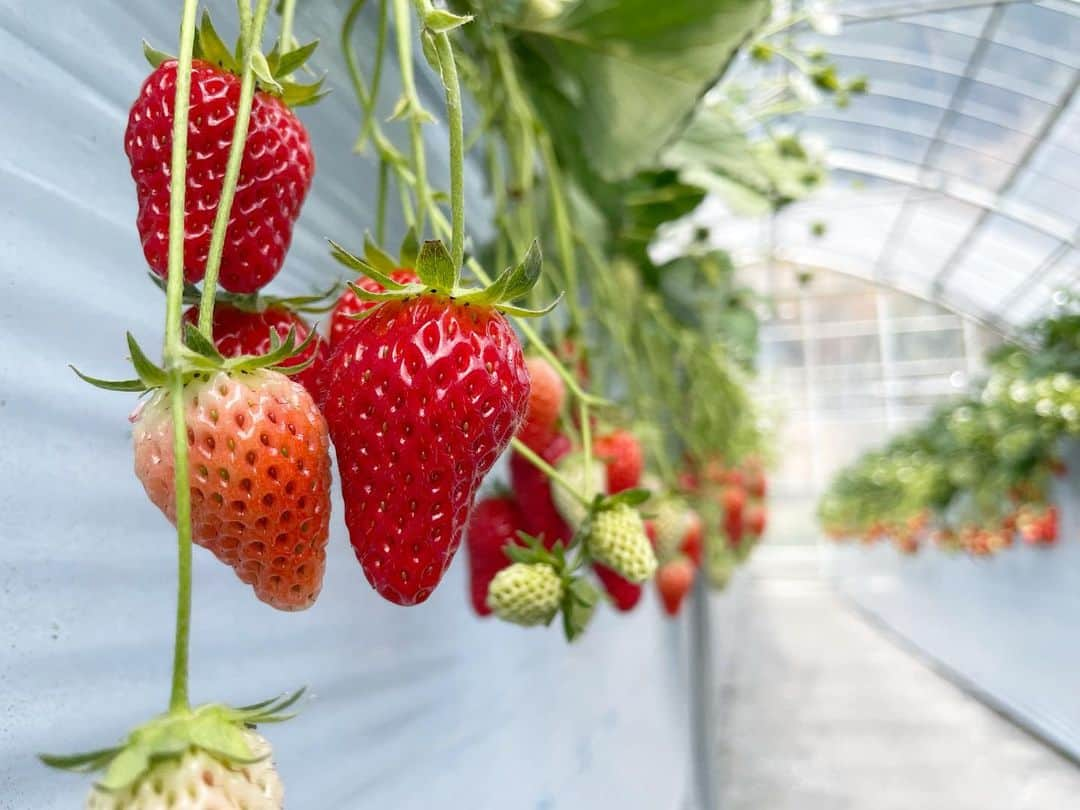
[422, 381]
[977, 475]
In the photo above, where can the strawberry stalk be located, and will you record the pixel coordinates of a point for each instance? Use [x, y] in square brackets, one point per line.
[448, 68]
[173, 352]
[409, 106]
[288, 12]
[251, 39]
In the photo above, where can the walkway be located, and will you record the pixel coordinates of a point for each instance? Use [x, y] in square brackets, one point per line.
[821, 711]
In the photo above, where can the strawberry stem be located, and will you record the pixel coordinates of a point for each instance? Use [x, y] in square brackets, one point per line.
[448, 68]
[232, 168]
[288, 12]
[533, 458]
[178, 700]
[410, 107]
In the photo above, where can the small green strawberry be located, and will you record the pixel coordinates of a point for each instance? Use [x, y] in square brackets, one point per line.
[590, 481]
[526, 593]
[617, 539]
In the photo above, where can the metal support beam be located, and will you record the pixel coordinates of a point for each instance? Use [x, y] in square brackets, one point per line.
[882, 268]
[1017, 172]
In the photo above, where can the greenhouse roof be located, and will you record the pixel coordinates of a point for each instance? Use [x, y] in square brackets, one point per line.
[956, 178]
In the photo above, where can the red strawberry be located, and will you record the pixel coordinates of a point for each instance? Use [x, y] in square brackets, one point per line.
[240, 331]
[260, 478]
[349, 304]
[756, 520]
[422, 397]
[545, 402]
[624, 594]
[533, 491]
[621, 452]
[693, 541]
[756, 485]
[733, 499]
[275, 173]
[493, 524]
[674, 580]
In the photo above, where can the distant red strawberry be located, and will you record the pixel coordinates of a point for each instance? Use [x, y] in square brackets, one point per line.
[756, 484]
[624, 594]
[756, 520]
[532, 488]
[733, 499]
[349, 304]
[239, 331]
[674, 580]
[423, 395]
[621, 452]
[493, 524]
[275, 173]
[260, 478]
[693, 540]
[546, 398]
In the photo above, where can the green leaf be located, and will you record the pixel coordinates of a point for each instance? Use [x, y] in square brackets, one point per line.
[80, 763]
[200, 344]
[153, 55]
[440, 21]
[630, 497]
[218, 736]
[291, 61]
[377, 257]
[613, 79]
[264, 74]
[410, 248]
[294, 94]
[578, 607]
[150, 373]
[435, 267]
[354, 262]
[111, 385]
[126, 768]
[210, 47]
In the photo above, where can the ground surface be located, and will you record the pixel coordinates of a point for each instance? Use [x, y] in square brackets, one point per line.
[822, 711]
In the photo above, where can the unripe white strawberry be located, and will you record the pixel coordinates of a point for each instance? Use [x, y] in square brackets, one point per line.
[671, 522]
[589, 481]
[618, 540]
[199, 781]
[526, 593]
[720, 562]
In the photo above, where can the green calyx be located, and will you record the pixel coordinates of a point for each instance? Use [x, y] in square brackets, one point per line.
[579, 596]
[439, 276]
[200, 357]
[215, 729]
[273, 71]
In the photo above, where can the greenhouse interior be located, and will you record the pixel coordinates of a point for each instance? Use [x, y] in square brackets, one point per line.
[585, 404]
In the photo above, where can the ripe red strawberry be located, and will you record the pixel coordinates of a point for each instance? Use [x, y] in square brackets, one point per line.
[545, 402]
[624, 594]
[422, 397]
[532, 488]
[493, 524]
[239, 331]
[733, 499]
[756, 520]
[275, 173]
[693, 540]
[260, 477]
[621, 452]
[674, 580]
[349, 304]
[756, 484]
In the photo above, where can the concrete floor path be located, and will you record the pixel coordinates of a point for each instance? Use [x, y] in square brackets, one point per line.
[820, 710]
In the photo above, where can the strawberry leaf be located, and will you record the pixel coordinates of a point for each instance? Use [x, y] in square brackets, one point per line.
[440, 21]
[436, 268]
[377, 257]
[150, 373]
[153, 55]
[210, 47]
[111, 385]
[410, 248]
[200, 344]
[291, 61]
